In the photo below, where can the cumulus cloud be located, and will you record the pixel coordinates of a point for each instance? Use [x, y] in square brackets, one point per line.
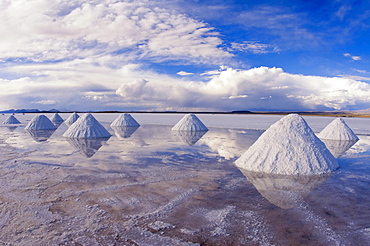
[355, 58]
[43, 30]
[131, 88]
[257, 88]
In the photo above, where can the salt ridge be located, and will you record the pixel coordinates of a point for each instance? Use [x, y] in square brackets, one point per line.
[288, 147]
[87, 127]
[338, 130]
[190, 122]
[125, 120]
[40, 122]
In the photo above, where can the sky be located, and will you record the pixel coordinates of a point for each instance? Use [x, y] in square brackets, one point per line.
[185, 55]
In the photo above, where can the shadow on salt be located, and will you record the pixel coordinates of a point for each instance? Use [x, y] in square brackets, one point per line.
[40, 135]
[284, 191]
[87, 146]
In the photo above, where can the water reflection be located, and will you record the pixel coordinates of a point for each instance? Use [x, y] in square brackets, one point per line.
[11, 128]
[284, 191]
[189, 137]
[87, 146]
[124, 131]
[40, 135]
[230, 143]
[338, 148]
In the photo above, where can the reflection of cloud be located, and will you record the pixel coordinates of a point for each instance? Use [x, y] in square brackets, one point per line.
[337, 147]
[362, 146]
[284, 191]
[229, 143]
[40, 135]
[189, 137]
[124, 131]
[87, 146]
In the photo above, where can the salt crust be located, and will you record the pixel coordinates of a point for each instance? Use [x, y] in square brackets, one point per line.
[11, 120]
[125, 120]
[72, 118]
[338, 130]
[86, 127]
[56, 118]
[190, 122]
[40, 122]
[288, 147]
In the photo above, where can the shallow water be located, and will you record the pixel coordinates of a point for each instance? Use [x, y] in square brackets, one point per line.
[152, 186]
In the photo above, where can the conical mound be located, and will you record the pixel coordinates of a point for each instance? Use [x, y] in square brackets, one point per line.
[72, 118]
[86, 127]
[11, 120]
[190, 122]
[288, 147]
[338, 130]
[40, 122]
[56, 119]
[125, 120]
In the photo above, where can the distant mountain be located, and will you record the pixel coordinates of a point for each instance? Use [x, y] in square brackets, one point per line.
[363, 111]
[53, 110]
[20, 111]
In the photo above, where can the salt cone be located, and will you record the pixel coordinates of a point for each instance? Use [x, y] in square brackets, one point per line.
[288, 147]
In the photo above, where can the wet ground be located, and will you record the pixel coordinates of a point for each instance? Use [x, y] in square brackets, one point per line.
[153, 186]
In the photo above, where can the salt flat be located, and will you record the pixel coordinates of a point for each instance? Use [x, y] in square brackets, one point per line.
[150, 186]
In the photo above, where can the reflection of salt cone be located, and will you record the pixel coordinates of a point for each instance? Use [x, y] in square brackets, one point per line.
[284, 191]
[12, 128]
[40, 135]
[87, 146]
[124, 131]
[189, 137]
[338, 147]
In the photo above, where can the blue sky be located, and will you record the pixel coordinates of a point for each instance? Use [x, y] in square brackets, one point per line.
[185, 55]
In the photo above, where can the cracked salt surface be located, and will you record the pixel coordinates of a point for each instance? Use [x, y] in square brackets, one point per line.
[152, 188]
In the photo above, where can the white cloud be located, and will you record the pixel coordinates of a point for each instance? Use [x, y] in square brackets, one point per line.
[355, 58]
[85, 86]
[42, 30]
[255, 47]
[46, 102]
[183, 73]
[257, 88]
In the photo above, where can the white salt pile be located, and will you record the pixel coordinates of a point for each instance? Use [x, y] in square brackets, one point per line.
[338, 130]
[125, 120]
[87, 127]
[56, 119]
[40, 122]
[190, 122]
[288, 147]
[11, 120]
[72, 118]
